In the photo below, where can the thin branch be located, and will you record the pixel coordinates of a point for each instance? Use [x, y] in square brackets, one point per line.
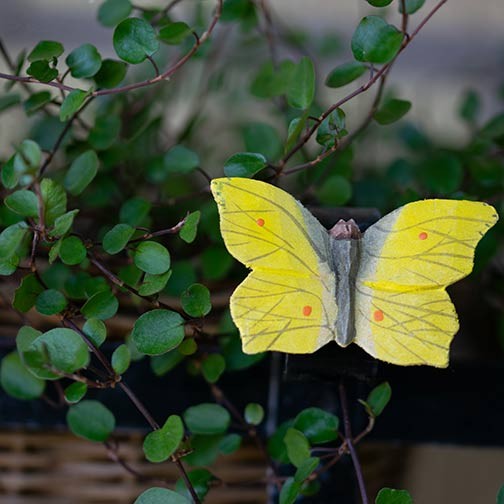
[154, 64]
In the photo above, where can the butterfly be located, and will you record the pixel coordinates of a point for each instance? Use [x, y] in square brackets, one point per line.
[384, 290]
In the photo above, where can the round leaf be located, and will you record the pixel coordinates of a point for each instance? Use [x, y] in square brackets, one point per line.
[196, 301]
[23, 202]
[95, 330]
[112, 12]
[179, 159]
[42, 71]
[84, 62]
[336, 191]
[102, 305]
[411, 6]
[10, 239]
[121, 359]
[317, 425]
[111, 74]
[17, 381]
[91, 420]
[161, 496]
[190, 227]
[117, 238]
[46, 50]
[75, 392]
[391, 111]
[212, 367]
[207, 418]
[50, 302]
[375, 40]
[134, 40]
[391, 496]
[254, 413]
[378, 398]
[158, 331]
[72, 251]
[72, 103]
[244, 164]
[81, 173]
[174, 33]
[344, 74]
[159, 445]
[152, 258]
[379, 3]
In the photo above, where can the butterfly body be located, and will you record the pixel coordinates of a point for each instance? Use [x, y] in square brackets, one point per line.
[385, 291]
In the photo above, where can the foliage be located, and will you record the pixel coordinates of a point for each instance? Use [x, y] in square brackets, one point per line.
[105, 207]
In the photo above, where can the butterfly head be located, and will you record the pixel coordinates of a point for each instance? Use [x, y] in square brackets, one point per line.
[345, 230]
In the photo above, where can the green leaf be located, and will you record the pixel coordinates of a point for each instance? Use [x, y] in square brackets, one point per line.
[63, 223]
[46, 50]
[158, 331]
[378, 398]
[262, 138]
[470, 106]
[500, 495]
[121, 359]
[174, 33]
[207, 418]
[391, 111]
[189, 347]
[72, 103]
[335, 191]
[102, 305]
[62, 349]
[200, 480]
[332, 128]
[159, 445]
[117, 238]
[75, 392]
[375, 40]
[9, 175]
[26, 294]
[42, 71]
[294, 130]
[152, 258]
[17, 381]
[244, 164]
[306, 468]
[134, 40]
[152, 284]
[298, 447]
[55, 200]
[230, 443]
[181, 160]
[36, 101]
[82, 172]
[84, 62]
[344, 74]
[72, 250]
[8, 100]
[301, 89]
[270, 82]
[9, 266]
[239, 10]
[134, 211]
[190, 227]
[291, 489]
[28, 157]
[317, 425]
[442, 173]
[50, 302]
[105, 132]
[11, 238]
[161, 496]
[379, 3]
[162, 364]
[112, 12]
[196, 300]
[411, 6]
[91, 420]
[111, 74]
[212, 367]
[23, 202]
[391, 496]
[95, 330]
[254, 413]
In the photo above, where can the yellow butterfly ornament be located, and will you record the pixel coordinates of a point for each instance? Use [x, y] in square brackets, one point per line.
[383, 290]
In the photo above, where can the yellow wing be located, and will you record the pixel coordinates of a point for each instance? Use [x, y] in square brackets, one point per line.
[288, 302]
[403, 313]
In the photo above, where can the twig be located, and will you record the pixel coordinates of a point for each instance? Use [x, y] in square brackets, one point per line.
[154, 64]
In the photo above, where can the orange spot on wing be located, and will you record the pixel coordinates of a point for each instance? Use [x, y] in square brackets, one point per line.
[378, 315]
[260, 222]
[423, 236]
[307, 310]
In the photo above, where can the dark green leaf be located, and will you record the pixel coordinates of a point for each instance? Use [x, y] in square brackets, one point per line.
[291, 489]
[189, 347]
[200, 480]
[276, 443]
[212, 367]
[102, 305]
[196, 300]
[46, 50]
[42, 71]
[254, 413]
[134, 40]
[91, 420]
[72, 103]
[391, 111]
[442, 173]
[470, 106]
[17, 381]
[134, 211]
[411, 6]
[375, 40]
[264, 139]
[306, 468]
[296, 126]
[179, 159]
[239, 10]
[152, 284]
[158, 331]
[55, 200]
[161, 496]
[378, 398]
[174, 33]
[391, 496]
[380, 3]
[301, 89]
[50, 302]
[26, 294]
[105, 132]
[332, 128]
[28, 157]
[298, 447]
[335, 191]
[207, 418]
[81, 173]
[216, 262]
[344, 74]
[500, 495]
[11, 238]
[84, 62]
[9, 266]
[159, 445]
[112, 12]
[190, 227]
[75, 392]
[270, 82]
[9, 175]
[317, 425]
[117, 238]
[152, 258]
[244, 164]
[36, 101]
[95, 330]
[72, 250]
[121, 359]
[162, 364]
[63, 223]
[230, 443]
[8, 100]
[23, 202]
[111, 74]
